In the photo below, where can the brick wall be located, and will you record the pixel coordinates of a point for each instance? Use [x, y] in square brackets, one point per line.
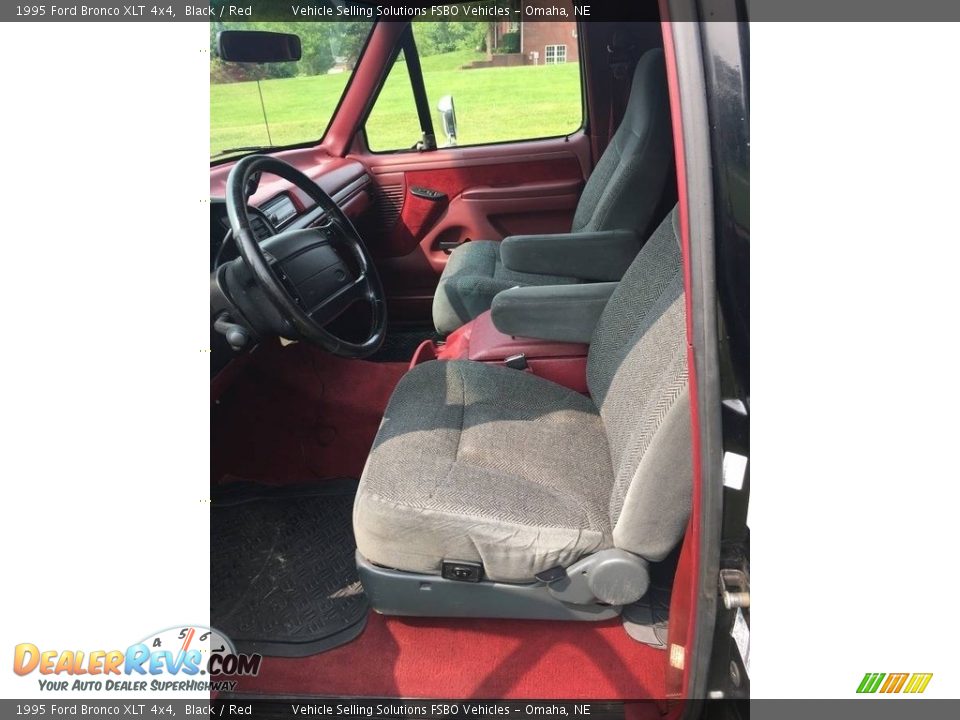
[535, 36]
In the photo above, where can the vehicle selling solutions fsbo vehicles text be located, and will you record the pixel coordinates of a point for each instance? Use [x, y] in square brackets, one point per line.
[368, 12]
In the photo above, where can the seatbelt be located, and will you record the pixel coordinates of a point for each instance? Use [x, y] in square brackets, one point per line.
[412, 57]
[621, 58]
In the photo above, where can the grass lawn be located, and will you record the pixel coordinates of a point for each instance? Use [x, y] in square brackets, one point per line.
[493, 104]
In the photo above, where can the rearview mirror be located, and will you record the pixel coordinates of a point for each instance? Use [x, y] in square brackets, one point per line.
[448, 118]
[258, 46]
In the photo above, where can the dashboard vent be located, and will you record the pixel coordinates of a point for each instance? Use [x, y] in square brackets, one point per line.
[261, 231]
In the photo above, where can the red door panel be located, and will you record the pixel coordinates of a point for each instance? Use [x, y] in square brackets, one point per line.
[487, 193]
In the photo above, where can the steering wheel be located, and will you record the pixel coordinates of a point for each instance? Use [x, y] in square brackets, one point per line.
[309, 276]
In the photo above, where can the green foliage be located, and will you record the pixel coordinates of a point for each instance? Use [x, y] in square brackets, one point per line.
[434, 38]
[509, 43]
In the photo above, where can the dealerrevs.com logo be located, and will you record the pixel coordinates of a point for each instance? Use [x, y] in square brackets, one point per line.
[180, 659]
[910, 683]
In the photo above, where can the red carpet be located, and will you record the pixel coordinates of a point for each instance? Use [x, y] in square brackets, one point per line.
[461, 659]
[297, 414]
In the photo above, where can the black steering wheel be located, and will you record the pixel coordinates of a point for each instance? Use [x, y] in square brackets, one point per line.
[310, 276]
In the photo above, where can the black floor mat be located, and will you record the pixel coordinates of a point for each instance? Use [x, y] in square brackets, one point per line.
[283, 579]
[402, 341]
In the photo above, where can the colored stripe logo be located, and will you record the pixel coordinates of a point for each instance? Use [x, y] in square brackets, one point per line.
[913, 683]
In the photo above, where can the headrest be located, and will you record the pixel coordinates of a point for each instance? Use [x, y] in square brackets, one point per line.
[648, 91]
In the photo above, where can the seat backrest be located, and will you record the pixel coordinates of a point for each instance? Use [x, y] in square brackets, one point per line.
[625, 187]
[637, 376]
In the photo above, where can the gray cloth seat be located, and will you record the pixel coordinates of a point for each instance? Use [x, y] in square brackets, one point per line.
[482, 463]
[623, 193]
[467, 456]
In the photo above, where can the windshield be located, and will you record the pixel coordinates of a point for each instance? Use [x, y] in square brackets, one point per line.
[277, 104]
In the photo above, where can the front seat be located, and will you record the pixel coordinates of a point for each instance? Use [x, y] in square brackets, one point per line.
[523, 487]
[623, 193]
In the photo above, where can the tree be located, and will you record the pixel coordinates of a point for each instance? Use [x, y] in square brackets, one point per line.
[434, 38]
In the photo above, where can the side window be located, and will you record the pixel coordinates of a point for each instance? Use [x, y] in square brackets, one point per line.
[393, 123]
[299, 98]
[497, 82]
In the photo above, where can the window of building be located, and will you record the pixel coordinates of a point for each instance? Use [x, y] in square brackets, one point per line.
[555, 54]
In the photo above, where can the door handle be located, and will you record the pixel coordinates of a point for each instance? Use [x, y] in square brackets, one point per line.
[427, 193]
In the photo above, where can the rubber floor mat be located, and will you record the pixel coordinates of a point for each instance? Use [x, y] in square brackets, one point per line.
[283, 579]
[401, 342]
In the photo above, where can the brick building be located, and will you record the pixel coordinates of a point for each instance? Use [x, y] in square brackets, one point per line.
[541, 42]
[546, 43]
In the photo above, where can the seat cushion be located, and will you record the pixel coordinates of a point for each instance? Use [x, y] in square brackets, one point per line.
[482, 463]
[473, 275]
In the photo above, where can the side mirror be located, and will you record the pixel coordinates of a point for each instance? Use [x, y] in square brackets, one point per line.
[258, 46]
[448, 118]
